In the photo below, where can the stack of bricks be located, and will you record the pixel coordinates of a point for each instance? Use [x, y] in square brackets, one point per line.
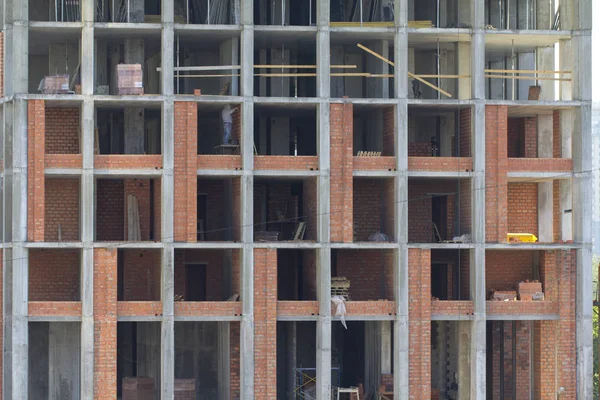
[529, 291]
[57, 84]
[138, 388]
[185, 389]
[130, 79]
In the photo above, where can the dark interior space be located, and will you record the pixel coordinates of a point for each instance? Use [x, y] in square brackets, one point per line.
[361, 11]
[113, 125]
[449, 274]
[285, 12]
[138, 356]
[285, 131]
[218, 207]
[296, 359]
[211, 12]
[296, 274]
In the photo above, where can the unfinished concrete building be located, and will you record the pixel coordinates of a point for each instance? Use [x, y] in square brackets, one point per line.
[286, 199]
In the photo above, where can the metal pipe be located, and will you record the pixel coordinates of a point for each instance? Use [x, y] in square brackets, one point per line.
[187, 11]
[361, 12]
[513, 67]
[282, 12]
[128, 20]
[178, 63]
[437, 56]
[112, 11]
[310, 12]
[62, 11]
[438, 23]
[208, 12]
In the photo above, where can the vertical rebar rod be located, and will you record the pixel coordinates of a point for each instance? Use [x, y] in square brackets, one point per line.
[282, 12]
[128, 20]
[178, 71]
[208, 12]
[361, 12]
[310, 12]
[112, 11]
[437, 19]
[187, 11]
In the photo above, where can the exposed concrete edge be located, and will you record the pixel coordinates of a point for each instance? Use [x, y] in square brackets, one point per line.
[365, 245]
[224, 173]
[535, 246]
[522, 317]
[63, 171]
[439, 174]
[139, 319]
[374, 174]
[208, 245]
[128, 173]
[54, 318]
[298, 318]
[129, 245]
[54, 245]
[208, 318]
[285, 173]
[535, 177]
[451, 318]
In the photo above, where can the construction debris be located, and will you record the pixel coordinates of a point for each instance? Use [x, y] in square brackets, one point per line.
[340, 308]
[340, 286]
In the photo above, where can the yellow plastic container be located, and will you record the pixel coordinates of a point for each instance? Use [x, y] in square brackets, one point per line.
[521, 237]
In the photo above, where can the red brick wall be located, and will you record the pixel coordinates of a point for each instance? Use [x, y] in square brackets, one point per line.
[236, 212]
[465, 273]
[54, 275]
[341, 131]
[140, 188]
[556, 211]
[556, 136]
[505, 269]
[465, 130]
[364, 268]
[265, 323]
[214, 271]
[465, 209]
[496, 169]
[309, 208]
[234, 360]
[373, 201]
[185, 171]
[522, 208]
[555, 341]
[419, 149]
[157, 209]
[35, 176]
[105, 323]
[62, 208]
[419, 212]
[110, 209]
[141, 275]
[522, 137]
[62, 131]
[309, 272]
[389, 122]
[419, 317]
[517, 381]
[215, 203]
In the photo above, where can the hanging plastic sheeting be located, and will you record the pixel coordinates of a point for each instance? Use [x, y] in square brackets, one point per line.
[340, 308]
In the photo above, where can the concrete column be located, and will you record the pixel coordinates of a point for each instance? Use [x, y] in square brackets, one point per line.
[545, 61]
[582, 191]
[323, 208]
[477, 378]
[386, 346]
[378, 88]
[247, 203]
[16, 348]
[87, 210]
[136, 11]
[544, 15]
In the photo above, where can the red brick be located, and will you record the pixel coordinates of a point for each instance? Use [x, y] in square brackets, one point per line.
[341, 132]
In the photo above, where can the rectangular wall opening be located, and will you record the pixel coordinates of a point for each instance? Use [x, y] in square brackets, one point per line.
[358, 74]
[362, 275]
[441, 14]
[285, 209]
[296, 359]
[139, 360]
[54, 62]
[362, 354]
[62, 283]
[283, 67]
[207, 275]
[439, 210]
[54, 360]
[361, 11]
[207, 12]
[296, 274]
[439, 132]
[218, 208]
[207, 64]
[128, 209]
[285, 12]
[61, 210]
[373, 130]
[450, 275]
[450, 373]
[207, 357]
[374, 209]
[54, 10]
[212, 129]
[139, 275]
[135, 130]
[132, 11]
[127, 65]
[285, 131]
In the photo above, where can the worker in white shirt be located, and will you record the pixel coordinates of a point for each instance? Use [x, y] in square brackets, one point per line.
[227, 123]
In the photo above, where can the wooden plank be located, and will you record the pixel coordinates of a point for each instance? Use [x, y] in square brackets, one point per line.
[206, 76]
[288, 66]
[204, 68]
[413, 76]
[526, 71]
[529, 78]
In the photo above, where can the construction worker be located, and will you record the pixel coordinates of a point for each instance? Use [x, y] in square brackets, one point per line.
[227, 123]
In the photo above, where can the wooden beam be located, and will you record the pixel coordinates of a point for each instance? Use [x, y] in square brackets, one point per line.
[526, 71]
[275, 66]
[205, 68]
[287, 75]
[206, 76]
[529, 78]
[413, 76]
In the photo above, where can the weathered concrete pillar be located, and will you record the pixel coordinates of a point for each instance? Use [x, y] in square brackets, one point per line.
[63, 360]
